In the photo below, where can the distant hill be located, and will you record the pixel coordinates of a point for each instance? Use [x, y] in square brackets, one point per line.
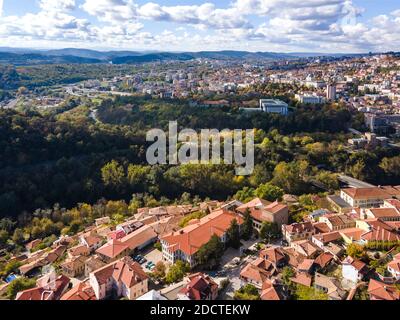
[19, 56]
[35, 58]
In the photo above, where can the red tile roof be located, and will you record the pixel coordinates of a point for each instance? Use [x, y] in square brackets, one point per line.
[200, 287]
[190, 239]
[112, 249]
[381, 291]
[125, 270]
[82, 292]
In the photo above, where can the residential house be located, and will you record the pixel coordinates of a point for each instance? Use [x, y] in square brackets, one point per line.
[384, 214]
[272, 291]
[381, 291]
[257, 272]
[274, 255]
[353, 270]
[34, 243]
[263, 211]
[83, 291]
[79, 250]
[330, 286]
[306, 248]
[184, 244]
[113, 250]
[394, 267]
[302, 278]
[129, 226]
[122, 278]
[200, 287]
[92, 264]
[139, 239]
[323, 261]
[91, 240]
[74, 267]
[298, 231]
[49, 287]
[338, 222]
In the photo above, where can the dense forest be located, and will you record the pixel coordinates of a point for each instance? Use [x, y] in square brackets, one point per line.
[56, 158]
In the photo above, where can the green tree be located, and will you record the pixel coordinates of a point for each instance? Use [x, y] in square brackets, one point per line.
[177, 272]
[233, 234]
[113, 174]
[3, 237]
[269, 192]
[391, 166]
[287, 274]
[247, 293]
[356, 251]
[210, 253]
[18, 236]
[269, 231]
[19, 285]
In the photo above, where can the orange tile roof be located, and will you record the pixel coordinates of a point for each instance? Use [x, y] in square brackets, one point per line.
[367, 193]
[269, 292]
[324, 259]
[380, 234]
[274, 255]
[82, 292]
[254, 273]
[125, 270]
[302, 278]
[190, 239]
[385, 213]
[112, 249]
[139, 237]
[382, 291]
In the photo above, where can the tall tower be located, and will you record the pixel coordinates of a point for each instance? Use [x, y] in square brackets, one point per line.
[331, 92]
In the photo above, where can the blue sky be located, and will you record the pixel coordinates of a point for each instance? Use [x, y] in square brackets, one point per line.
[193, 25]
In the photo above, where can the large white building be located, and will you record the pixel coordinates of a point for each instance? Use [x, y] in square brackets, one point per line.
[309, 99]
[274, 106]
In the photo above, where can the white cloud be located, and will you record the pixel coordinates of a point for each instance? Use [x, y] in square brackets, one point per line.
[286, 25]
[57, 5]
[1, 8]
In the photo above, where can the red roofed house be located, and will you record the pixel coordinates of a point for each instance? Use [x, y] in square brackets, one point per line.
[394, 267]
[263, 211]
[368, 197]
[48, 287]
[353, 270]
[272, 291]
[91, 240]
[112, 251]
[81, 292]
[122, 278]
[298, 231]
[380, 291]
[200, 287]
[184, 244]
[257, 272]
[274, 255]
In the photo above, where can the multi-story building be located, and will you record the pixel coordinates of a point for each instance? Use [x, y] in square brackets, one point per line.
[122, 278]
[264, 211]
[184, 244]
[274, 106]
[369, 197]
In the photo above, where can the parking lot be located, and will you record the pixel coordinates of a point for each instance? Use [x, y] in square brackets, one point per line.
[149, 259]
